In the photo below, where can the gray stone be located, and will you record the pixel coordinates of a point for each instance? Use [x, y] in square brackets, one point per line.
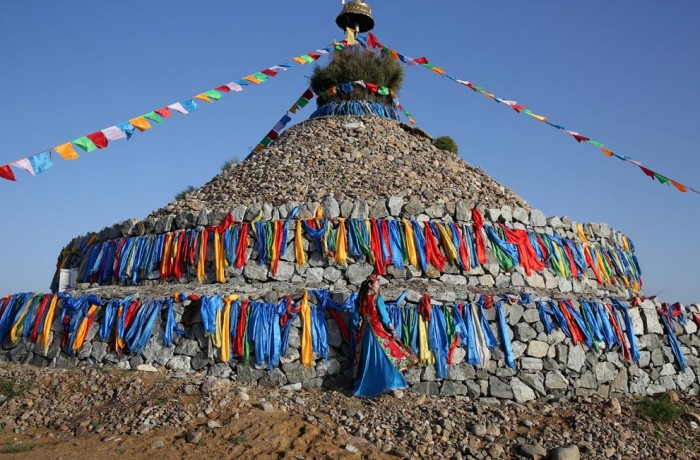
[534, 381]
[535, 280]
[455, 280]
[576, 359]
[297, 373]
[413, 207]
[179, 363]
[537, 349]
[220, 370]
[314, 275]
[452, 388]
[357, 273]
[524, 332]
[532, 452]
[520, 215]
[463, 212]
[156, 353]
[255, 271]
[531, 364]
[285, 271]
[569, 452]
[331, 208]
[620, 382]
[331, 274]
[554, 380]
[650, 342]
[99, 350]
[395, 203]
[564, 285]
[335, 338]
[426, 388]
[685, 378]
[515, 313]
[346, 208]
[247, 374]
[605, 372]
[487, 281]
[187, 347]
[379, 210]
[650, 318]
[325, 368]
[360, 210]
[587, 380]
[537, 218]
[521, 392]
[500, 389]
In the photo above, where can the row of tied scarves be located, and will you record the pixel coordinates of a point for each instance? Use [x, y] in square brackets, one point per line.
[185, 252]
[234, 326]
[383, 241]
[534, 251]
[31, 315]
[28, 315]
[596, 323]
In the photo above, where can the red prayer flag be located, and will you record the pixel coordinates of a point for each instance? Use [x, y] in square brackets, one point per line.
[99, 139]
[372, 41]
[273, 135]
[518, 108]
[308, 94]
[223, 89]
[269, 72]
[580, 138]
[314, 56]
[420, 60]
[647, 171]
[164, 112]
[6, 173]
[372, 87]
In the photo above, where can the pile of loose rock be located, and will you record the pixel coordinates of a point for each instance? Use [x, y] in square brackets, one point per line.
[116, 404]
[366, 158]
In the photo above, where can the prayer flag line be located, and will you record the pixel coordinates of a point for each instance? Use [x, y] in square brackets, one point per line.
[41, 161]
[372, 43]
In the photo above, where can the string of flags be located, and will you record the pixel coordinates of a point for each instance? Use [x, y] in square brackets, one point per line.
[308, 94]
[372, 43]
[40, 162]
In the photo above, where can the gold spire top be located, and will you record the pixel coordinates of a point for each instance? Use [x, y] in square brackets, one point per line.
[357, 16]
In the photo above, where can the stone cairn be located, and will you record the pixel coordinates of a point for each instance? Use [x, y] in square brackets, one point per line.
[368, 167]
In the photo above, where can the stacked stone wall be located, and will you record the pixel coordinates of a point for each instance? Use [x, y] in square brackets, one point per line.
[546, 365]
[321, 271]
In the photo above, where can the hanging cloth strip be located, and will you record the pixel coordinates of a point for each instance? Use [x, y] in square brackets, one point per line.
[376, 246]
[45, 332]
[411, 250]
[631, 339]
[473, 259]
[479, 237]
[432, 250]
[170, 325]
[425, 355]
[527, 254]
[307, 358]
[666, 319]
[505, 335]
[420, 245]
[506, 253]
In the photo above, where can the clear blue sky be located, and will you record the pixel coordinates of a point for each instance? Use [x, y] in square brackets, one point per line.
[624, 73]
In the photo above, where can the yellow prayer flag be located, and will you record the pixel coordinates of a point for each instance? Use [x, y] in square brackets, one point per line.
[252, 79]
[538, 117]
[298, 246]
[140, 123]
[607, 152]
[204, 97]
[299, 60]
[66, 151]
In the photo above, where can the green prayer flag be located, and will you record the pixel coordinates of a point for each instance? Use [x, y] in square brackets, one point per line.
[660, 178]
[302, 102]
[339, 46]
[213, 94]
[85, 144]
[596, 143]
[307, 58]
[266, 142]
[324, 94]
[527, 111]
[261, 76]
[383, 90]
[154, 117]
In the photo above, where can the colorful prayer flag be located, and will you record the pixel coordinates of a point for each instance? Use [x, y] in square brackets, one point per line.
[113, 133]
[154, 117]
[140, 123]
[6, 173]
[67, 151]
[24, 164]
[85, 144]
[40, 162]
[99, 139]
